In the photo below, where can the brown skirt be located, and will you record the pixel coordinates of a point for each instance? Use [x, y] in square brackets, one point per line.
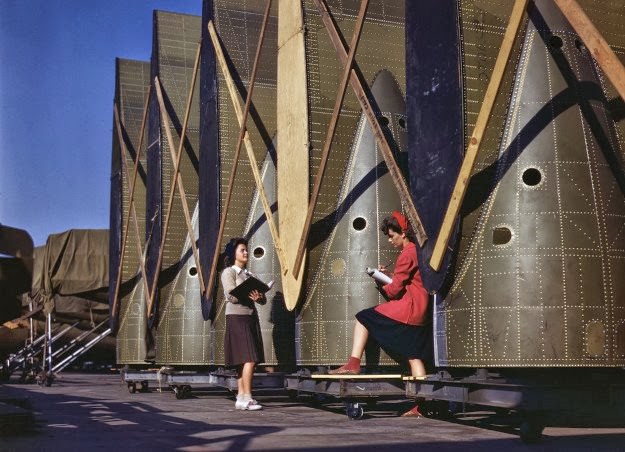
[243, 342]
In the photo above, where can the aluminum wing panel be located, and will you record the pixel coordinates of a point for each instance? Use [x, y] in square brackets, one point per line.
[132, 80]
[175, 43]
[354, 189]
[538, 281]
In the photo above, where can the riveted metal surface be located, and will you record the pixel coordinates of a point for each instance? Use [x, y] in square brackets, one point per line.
[238, 25]
[542, 254]
[356, 192]
[340, 287]
[381, 47]
[132, 80]
[182, 335]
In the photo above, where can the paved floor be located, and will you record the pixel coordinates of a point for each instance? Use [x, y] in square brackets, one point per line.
[96, 412]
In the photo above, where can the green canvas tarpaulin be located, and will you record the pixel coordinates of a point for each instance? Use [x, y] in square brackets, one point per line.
[74, 262]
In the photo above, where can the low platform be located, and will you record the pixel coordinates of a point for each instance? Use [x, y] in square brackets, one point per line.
[96, 411]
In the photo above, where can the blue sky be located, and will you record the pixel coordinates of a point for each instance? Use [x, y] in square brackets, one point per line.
[57, 79]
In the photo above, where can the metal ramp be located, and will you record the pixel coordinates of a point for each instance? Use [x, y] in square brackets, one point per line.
[38, 360]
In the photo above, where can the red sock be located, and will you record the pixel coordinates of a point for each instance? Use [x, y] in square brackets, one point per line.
[353, 363]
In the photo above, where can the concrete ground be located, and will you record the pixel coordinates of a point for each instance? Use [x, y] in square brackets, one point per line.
[96, 412]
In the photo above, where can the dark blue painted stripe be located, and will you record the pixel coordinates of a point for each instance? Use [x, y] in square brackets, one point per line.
[434, 108]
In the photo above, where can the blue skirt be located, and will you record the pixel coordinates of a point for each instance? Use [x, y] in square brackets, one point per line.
[399, 340]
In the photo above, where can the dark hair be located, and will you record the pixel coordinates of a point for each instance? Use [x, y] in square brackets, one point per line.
[231, 249]
[390, 223]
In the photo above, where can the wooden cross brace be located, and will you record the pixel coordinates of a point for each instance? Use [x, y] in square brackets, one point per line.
[603, 55]
[460, 188]
[131, 206]
[177, 181]
[243, 138]
[325, 153]
[358, 87]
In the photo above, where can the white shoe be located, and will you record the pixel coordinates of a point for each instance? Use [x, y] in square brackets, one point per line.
[249, 405]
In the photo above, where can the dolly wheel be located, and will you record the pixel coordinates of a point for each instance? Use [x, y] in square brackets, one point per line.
[182, 392]
[354, 410]
[178, 392]
[132, 387]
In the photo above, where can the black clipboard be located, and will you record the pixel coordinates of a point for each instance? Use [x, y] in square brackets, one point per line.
[242, 291]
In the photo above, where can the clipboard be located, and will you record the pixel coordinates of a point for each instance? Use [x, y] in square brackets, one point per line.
[242, 291]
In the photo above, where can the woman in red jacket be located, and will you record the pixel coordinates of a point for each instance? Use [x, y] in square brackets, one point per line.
[402, 326]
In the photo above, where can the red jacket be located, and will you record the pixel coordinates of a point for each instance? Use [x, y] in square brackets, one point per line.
[409, 299]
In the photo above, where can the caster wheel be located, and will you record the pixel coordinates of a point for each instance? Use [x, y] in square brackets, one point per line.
[182, 392]
[354, 411]
[144, 386]
[132, 387]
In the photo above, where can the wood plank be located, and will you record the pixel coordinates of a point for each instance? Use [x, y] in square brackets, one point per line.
[460, 188]
[325, 153]
[224, 212]
[359, 89]
[12, 324]
[292, 139]
[242, 132]
[356, 377]
[248, 146]
[177, 180]
[596, 44]
[131, 207]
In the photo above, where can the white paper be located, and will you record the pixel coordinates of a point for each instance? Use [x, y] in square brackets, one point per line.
[378, 275]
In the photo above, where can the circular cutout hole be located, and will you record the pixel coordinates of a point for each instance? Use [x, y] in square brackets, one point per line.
[532, 177]
[384, 120]
[402, 123]
[580, 45]
[501, 235]
[359, 223]
[259, 252]
[556, 42]
[192, 271]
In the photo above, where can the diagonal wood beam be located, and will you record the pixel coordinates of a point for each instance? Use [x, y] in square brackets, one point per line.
[338, 103]
[249, 148]
[361, 94]
[237, 152]
[460, 188]
[176, 180]
[131, 208]
[594, 41]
